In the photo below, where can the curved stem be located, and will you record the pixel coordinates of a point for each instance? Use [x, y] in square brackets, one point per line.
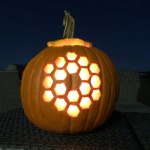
[69, 24]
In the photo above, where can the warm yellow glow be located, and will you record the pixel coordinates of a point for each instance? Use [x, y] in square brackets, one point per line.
[85, 88]
[49, 68]
[71, 56]
[60, 74]
[48, 96]
[60, 89]
[60, 62]
[72, 67]
[60, 104]
[85, 102]
[47, 83]
[96, 94]
[73, 111]
[83, 61]
[69, 42]
[84, 74]
[94, 68]
[95, 81]
[73, 96]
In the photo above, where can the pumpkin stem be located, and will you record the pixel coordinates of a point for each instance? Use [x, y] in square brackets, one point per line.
[69, 24]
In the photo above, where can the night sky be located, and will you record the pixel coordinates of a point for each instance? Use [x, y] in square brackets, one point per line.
[120, 28]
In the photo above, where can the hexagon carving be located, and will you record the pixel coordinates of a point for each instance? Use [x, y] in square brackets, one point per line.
[74, 100]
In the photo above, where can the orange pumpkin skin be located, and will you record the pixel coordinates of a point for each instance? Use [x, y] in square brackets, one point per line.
[44, 114]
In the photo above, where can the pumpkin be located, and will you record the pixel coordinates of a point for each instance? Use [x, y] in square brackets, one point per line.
[69, 87]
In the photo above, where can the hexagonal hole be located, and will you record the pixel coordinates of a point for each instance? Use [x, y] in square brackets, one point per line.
[60, 104]
[94, 68]
[71, 55]
[60, 89]
[96, 94]
[60, 62]
[60, 74]
[73, 96]
[47, 83]
[48, 96]
[83, 61]
[73, 111]
[85, 102]
[85, 88]
[95, 81]
[72, 67]
[84, 74]
[48, 68]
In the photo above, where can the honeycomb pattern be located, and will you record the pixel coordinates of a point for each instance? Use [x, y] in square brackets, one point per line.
[75, 100]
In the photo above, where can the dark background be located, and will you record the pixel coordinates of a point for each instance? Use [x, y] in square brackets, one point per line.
[120, 28]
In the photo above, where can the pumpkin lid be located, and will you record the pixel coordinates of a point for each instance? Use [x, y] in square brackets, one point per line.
[69, 42]
[68, 39]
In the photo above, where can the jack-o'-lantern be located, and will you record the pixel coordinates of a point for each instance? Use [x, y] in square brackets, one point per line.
[69, 87]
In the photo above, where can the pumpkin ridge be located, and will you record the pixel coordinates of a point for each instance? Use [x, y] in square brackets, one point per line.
[110, 65]
[28, 92]
[44, 59]
[29, 87]
[23, 92]
[87, 114]
[104, 71]
[99, 103]
[111, 92]
[80, 52]
[110, 75]
[35, 66]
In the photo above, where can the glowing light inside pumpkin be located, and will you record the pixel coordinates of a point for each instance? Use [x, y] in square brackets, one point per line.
[60, 89]
[60, 74]
[95, 81]
[48, 96]
[71, 56]
[73, 96]
[73, 111]
[83, 61]
[94, 68]
[69, 42]
[73, 100]
[60, 62]
[85, 102]
[60, 104]
[84, 74]
[47, 83]
[49, 68]
[85, 88]
[96, 94]
[72, 67]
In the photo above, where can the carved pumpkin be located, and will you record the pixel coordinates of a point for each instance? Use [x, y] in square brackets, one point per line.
[69, 87]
